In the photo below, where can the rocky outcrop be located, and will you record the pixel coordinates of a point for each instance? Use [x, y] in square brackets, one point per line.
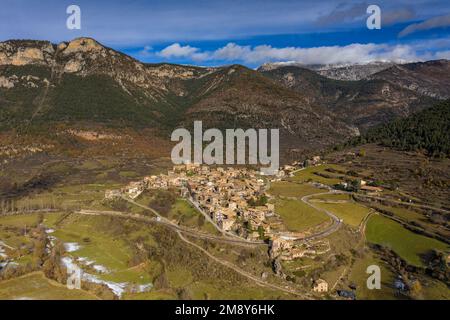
[20, 53]
[431, 78]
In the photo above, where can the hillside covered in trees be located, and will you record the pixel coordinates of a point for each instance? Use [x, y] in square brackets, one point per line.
[427, 131]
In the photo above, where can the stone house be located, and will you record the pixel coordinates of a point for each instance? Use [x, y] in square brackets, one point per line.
[320, 286]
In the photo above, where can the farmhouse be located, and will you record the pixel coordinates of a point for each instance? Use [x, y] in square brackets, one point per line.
[320, 286]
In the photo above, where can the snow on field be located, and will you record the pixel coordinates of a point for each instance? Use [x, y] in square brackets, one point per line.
[100, 268]
[2, 250]
[71, 246]
[68, 263]
[85, 261]
[50, 231]
[118, 288]
[145, 287]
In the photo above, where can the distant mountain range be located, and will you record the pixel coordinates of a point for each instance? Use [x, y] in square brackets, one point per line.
[83, 82]
[352, 72]
[397, 91]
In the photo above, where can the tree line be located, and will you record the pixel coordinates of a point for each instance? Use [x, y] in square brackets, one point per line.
[427, 131]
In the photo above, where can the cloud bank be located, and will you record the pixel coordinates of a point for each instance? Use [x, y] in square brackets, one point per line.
[353, 53]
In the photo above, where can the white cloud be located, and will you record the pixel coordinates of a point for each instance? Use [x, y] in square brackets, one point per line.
[432, 23]
[353, 53]
[178, 51]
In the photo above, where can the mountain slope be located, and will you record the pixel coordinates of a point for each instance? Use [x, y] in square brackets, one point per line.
[352, 72]
[364, 103]
[242, 98]
[429, 78]
[82, 82]
[428, 130]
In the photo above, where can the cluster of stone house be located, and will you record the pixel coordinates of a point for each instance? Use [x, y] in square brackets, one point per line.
[284, 248]
[228, 195]
[225, 195]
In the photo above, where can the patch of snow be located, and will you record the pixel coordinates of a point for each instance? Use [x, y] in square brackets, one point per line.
[2, 250]
[117, 288]
[71, 246]
[68, 262]
[85, 261]
[145, 287]
[50, 230]
[100, 268]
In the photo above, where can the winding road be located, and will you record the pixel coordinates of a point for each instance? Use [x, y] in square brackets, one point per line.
[227, 235]
[336, 222]
[170, 224]
[180, 230]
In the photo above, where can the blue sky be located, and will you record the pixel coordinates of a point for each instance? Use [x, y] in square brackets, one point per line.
[249, 32]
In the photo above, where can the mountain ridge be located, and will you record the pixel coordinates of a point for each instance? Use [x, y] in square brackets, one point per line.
[82, 81]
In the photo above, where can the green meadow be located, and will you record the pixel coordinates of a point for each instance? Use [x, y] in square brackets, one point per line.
[407, 244]
[351, 213]
[34, 286]
[291, 189]
[298, 216]
[310, 173]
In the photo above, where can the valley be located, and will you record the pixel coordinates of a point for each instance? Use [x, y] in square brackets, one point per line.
[87, 180]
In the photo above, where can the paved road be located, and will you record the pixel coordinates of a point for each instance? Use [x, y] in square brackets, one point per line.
[336, 222]
[180, 232]
[168, 223]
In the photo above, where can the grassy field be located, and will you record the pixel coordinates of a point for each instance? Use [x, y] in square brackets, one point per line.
[298, 216]
[140, 274]
[351, 213]
[152, 295]
[35, 286]
[19, 220]
[406, 244]
[358, 276]
[98, 246]
[291, 189]
[187, 215]
[333, 197]
[72, 197]
[105, 249]
[179, 277]
[182, 212]
[402, 213]
[219, 290]
[309, 173]
[435, 290]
